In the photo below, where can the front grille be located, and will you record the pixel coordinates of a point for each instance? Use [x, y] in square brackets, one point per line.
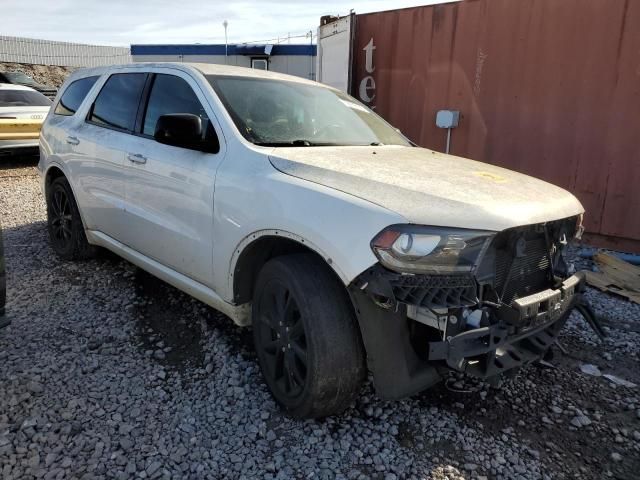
[435, 291]
[523, 270]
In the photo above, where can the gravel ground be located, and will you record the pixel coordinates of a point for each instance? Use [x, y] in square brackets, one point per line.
[109, 373]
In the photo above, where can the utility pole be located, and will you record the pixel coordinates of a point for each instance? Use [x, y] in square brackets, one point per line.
[225, 24]
[311, 75]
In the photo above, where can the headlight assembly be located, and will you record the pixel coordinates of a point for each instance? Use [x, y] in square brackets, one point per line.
[419, 249]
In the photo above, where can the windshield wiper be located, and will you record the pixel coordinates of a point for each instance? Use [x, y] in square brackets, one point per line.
[309, 143]
[292, 143]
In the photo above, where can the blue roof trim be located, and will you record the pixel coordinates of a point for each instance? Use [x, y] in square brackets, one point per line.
[219, 49]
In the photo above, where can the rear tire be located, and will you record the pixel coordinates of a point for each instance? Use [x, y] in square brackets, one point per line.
[66, 231]
[306, 337]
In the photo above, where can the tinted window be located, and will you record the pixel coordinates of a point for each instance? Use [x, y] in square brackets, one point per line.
[170, 94]
[117, 103]
[23, 98]
[74, 95]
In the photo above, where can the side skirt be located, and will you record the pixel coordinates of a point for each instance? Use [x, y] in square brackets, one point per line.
[240, 314]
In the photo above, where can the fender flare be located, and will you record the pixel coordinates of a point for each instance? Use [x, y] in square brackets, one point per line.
[258, 234]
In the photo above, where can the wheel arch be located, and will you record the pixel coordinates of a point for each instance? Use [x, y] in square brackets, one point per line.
[258, 248]
[56, 170]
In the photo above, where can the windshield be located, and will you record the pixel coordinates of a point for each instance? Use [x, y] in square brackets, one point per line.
[23, 98]
[281, 113]
[19, 77]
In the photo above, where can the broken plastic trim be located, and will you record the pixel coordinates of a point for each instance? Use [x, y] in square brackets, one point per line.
[388, 289]
[489, 351]
[381, 299]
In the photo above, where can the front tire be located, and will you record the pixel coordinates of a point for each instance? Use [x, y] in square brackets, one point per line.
[66, 232]
[306, 337]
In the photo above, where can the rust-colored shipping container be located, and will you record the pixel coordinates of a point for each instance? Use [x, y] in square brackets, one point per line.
[550, 88]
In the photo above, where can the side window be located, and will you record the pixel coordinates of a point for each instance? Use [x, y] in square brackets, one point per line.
[170, 94]
[74, 95]
[116, 105]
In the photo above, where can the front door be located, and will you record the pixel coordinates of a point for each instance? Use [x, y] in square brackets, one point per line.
[169, 190]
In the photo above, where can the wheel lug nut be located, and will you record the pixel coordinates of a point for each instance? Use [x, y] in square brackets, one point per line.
[278, 335]
[289, 346]
[283, 349]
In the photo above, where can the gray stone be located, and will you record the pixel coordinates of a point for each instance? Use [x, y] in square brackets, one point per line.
[153, 468]
[126, 444]
[49, 459]
[35, 387]
[34, 460]
[580, 421]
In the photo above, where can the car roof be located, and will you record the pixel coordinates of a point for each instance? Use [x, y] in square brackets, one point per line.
[203, 68]
[13, 86]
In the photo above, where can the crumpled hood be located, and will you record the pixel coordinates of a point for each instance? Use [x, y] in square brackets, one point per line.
[431, 188]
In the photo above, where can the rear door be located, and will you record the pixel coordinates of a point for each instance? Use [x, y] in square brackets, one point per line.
[58, 135]
[169, 190]
[99, 143]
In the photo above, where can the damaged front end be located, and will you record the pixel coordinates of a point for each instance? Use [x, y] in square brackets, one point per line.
[478, 302]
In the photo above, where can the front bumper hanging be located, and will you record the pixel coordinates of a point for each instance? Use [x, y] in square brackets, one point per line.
[521, 333]
[489, 351]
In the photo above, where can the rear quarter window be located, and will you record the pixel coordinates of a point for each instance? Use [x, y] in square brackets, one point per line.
[74, 95]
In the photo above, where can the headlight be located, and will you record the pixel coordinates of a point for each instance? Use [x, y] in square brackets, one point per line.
[417, 249]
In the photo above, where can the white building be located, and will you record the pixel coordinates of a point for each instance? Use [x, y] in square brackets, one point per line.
[299, 60]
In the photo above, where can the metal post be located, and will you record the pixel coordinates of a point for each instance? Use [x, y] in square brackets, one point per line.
[311, 76]
[448, 141]
[226, 43]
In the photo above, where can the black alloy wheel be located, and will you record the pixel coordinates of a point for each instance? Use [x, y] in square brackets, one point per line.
[66, 231]
[61, 219]
[283, 339]
[306, 336]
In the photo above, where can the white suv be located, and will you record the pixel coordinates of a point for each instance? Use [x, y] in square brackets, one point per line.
[291, 207]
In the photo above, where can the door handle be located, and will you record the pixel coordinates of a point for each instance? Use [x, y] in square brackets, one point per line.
[73, 140]
[137, 158]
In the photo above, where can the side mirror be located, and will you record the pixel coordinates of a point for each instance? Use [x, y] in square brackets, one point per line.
[186, 130]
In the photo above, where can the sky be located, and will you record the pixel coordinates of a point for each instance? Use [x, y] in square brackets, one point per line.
[124, 22]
